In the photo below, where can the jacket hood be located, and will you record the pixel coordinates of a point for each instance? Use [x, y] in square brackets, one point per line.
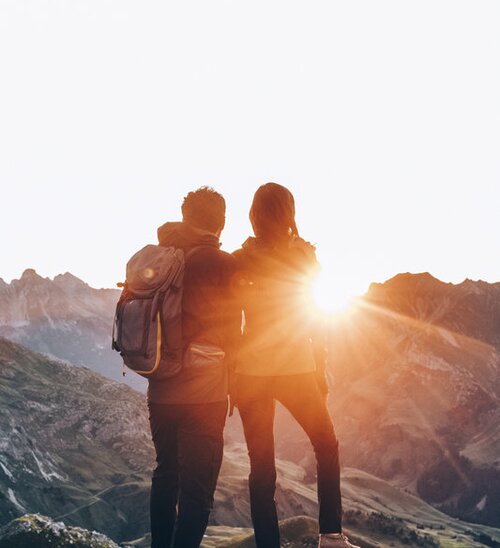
[184, 236]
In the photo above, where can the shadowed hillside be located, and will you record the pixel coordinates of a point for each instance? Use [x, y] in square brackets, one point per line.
[74, 444]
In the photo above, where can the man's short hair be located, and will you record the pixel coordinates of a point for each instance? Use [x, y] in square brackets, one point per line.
[204, 208]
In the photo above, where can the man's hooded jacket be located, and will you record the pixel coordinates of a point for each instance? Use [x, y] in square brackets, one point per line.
[210, 315]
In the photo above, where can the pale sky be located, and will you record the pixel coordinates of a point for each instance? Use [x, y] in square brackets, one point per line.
[382, 117]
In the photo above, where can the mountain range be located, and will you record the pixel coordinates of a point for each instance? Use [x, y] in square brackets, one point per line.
[415, 391]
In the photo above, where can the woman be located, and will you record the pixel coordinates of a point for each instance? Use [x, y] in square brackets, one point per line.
[282, 359]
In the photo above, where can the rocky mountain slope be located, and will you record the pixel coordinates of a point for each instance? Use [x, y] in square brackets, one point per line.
[63, 318]
[470, 309]
[73, 444]
[76, 446]
[417, 371]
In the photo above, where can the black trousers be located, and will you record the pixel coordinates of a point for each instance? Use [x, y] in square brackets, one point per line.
[300, 394]
[189, 443]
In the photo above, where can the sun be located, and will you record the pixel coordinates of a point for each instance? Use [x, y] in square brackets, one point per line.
[333, 295]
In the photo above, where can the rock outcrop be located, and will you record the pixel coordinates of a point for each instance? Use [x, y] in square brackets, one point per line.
[37, 531]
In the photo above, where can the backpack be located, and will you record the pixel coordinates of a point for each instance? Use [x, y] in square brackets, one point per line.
[147, 327]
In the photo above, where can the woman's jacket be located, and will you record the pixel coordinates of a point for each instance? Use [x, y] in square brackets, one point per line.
[282, 331]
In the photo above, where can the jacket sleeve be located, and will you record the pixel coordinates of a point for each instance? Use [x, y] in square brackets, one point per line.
[233, 316]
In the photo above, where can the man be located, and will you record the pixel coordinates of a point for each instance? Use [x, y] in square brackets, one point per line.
[188, 411]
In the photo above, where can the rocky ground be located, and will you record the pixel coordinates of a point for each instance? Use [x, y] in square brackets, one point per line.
[36, 531]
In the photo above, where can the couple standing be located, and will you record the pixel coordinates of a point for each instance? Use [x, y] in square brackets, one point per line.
[276, 358]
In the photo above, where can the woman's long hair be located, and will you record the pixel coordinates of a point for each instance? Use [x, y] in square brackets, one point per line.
[273, 213]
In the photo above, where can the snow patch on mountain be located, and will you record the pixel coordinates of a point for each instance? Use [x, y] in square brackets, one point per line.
[13, 499]
[482, 503]
[6, 471]
[48, 475]
[427, 360]
[448, 337]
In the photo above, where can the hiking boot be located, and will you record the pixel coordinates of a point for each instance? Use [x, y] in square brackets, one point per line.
[335, 540]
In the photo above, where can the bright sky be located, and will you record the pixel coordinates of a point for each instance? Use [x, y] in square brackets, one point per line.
[383, 118]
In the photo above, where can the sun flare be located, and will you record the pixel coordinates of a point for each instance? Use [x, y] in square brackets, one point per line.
[332, 295]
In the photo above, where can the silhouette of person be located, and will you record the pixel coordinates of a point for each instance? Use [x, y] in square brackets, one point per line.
[282, 358]
[187, 411]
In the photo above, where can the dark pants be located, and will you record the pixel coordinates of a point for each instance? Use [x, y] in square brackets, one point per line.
[189, 442]
[300, 394]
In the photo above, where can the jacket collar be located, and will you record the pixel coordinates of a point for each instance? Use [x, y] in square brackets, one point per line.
[292, 245]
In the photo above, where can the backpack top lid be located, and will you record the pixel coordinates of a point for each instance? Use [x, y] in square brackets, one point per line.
[153, 267]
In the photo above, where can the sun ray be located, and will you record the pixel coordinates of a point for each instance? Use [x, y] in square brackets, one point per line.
[422, 420]
[420, 324]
